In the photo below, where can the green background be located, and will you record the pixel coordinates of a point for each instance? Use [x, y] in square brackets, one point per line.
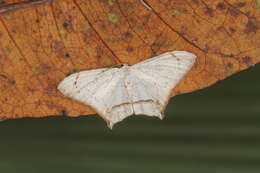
[212, 130]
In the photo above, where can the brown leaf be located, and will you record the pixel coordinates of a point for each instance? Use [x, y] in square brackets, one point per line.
[41, 45]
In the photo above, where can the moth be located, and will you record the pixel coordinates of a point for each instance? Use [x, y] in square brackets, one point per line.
[141, 89]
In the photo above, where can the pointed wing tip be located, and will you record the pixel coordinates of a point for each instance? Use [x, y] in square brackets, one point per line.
[110, 126]
[68, 81]
[161, 116]
[110, 123]
[60, 86]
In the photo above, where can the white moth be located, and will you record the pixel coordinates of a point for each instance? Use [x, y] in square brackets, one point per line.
[141, 89]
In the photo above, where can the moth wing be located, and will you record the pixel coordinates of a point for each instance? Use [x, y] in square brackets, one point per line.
[116, 94]
[154, 79]
[142, 95]
[102, 89]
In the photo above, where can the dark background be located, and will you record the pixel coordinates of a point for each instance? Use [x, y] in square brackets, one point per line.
[212, 130]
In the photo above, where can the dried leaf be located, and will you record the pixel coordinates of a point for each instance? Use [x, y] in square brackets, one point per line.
[41, 45]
